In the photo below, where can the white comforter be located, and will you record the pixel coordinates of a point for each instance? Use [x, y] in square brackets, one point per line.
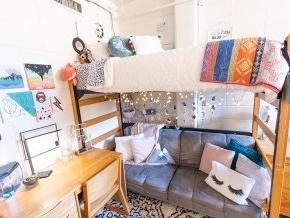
[175, 70]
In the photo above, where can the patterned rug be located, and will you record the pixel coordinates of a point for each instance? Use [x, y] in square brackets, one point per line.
[145, 207]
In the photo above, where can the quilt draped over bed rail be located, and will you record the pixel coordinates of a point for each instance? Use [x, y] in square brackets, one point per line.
[247, 61]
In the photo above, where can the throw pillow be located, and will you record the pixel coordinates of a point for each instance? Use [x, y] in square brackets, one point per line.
[168, 156]
[262, 187]
[119, 47]
[146, 44]
[157, 156]
[123, 145]
[214, 153]
[230, 183]
[249, 152]
[148, 129]
[141, 148]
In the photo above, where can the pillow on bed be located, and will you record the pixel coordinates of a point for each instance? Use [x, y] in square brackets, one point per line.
[119, 47]
[123, 145]
[230, 183]
[146, 44]
[261, 189]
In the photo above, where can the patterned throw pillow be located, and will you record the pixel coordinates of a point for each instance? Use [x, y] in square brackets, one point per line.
[230, 183]
[262, 187]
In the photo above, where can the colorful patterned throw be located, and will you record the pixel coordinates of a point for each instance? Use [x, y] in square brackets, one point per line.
[247, 61]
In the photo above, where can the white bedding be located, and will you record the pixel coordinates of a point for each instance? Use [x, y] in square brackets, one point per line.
[175, 70]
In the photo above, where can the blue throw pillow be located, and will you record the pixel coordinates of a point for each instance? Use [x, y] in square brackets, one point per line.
[157, 156]
[119, 47]
[249, 152]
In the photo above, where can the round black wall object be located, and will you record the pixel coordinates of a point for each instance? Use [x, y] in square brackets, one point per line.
[78, 45]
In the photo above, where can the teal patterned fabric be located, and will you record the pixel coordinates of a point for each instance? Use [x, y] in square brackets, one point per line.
[119, 47]
[249, 152]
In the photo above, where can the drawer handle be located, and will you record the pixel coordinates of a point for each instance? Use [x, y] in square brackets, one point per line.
[51, 209]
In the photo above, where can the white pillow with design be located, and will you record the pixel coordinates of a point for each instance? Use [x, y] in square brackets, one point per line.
[230, 183]
[123, 145]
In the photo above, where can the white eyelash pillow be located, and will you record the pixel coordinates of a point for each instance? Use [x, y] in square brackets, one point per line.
[230, 183]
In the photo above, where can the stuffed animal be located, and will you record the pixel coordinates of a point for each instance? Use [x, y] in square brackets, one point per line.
[69, 73]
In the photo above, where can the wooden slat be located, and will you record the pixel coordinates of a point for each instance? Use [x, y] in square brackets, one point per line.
[261, 144]
[255, 113]
[266, 129]
[280, 157]
[100, 119]
[274, 103]
[88, 101]
[118, 106]
[104, 136]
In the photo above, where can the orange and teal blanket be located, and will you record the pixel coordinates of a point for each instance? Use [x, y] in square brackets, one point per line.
[247, 61]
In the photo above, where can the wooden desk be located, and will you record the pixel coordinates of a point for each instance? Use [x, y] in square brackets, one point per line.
[67, 177]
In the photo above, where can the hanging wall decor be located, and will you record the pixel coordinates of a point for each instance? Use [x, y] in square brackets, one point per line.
[56, 104]
[39, 76]
[11, 77]
[99, 31]
[43, 105]
[16, 105]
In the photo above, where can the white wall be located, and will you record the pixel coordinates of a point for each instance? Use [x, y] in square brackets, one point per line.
[41, 32]
[133, 20]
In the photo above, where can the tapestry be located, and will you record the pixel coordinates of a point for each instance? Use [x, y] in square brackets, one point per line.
[247, 61]
[11, 77]
[39, 76]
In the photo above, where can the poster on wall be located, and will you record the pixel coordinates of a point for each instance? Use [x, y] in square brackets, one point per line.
[42, 104]
[39, 76]
[11, 77]
[16, 105]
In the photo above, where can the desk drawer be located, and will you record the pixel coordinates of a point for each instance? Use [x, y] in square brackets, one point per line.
[66, 208]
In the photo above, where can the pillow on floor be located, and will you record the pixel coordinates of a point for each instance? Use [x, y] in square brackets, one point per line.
[123, 145]
[141, 148]
[146, 44]
[249, 152]
[214, 153]
[262, 187]
[230, 183]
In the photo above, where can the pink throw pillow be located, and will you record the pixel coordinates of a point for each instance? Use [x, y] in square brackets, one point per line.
[214, 153]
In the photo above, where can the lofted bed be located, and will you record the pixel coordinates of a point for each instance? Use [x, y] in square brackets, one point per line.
[178, 71]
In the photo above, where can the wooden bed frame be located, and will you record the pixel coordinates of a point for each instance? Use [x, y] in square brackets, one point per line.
[275, 163]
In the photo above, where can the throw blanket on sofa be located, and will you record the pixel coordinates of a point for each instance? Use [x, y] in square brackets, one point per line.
[247, 61]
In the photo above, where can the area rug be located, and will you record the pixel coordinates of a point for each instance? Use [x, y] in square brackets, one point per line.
[145, 207]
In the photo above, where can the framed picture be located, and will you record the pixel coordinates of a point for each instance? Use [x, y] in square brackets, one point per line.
[11, 77]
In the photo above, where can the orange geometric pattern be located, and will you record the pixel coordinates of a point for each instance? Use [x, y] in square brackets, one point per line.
[242, 65]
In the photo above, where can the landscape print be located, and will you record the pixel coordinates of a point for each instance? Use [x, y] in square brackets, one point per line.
[11, 77]
[39, 76]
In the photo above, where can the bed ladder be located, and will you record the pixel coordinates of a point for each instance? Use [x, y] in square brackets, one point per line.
[77, 103]
[278, 140]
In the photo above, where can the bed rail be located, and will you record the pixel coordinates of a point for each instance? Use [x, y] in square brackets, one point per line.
[278, 141]
[77, 103]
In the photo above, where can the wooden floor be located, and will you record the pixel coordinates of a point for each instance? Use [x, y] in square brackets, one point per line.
[268, 149]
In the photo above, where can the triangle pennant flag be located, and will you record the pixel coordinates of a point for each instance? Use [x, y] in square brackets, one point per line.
[24, 100]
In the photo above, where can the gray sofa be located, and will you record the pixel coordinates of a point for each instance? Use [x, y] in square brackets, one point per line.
[183, 184]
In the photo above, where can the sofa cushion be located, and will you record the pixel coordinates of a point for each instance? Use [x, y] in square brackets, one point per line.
[217, 139]
[191, 149]
[170, 139]
[206, 197]
[231, 209]
[157, 181]
[181, 187]
[135, 177]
